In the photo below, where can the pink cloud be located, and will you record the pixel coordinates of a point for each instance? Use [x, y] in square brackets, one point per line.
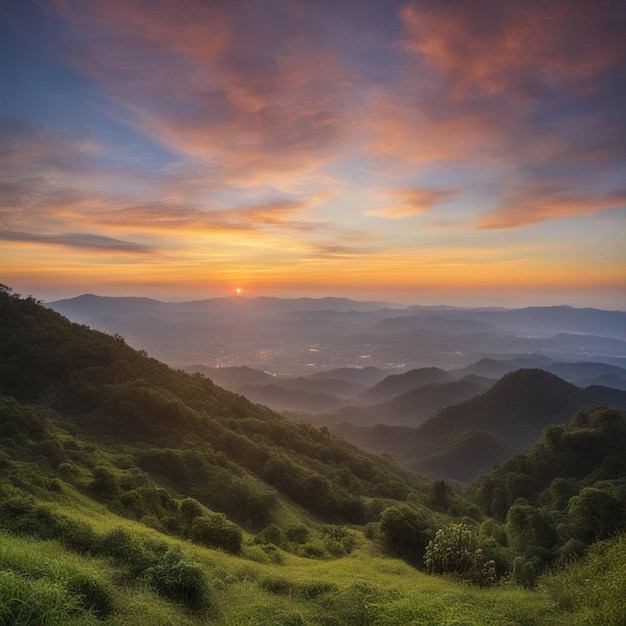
[541, 202]
[288, 215]
[218, 81]
[258, 101]
[514, 49]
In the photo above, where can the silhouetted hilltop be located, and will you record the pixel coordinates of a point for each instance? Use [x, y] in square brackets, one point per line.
[400, 383]
[410, 408]
[519, 405]
[464, 439]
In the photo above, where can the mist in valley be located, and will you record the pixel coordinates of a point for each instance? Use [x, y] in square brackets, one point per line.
[386, 376]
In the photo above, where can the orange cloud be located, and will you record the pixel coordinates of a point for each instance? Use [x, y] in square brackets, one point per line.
[410, 202]
[541, 202]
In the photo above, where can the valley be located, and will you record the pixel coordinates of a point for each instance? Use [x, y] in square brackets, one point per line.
[134, 492]
[298, 337]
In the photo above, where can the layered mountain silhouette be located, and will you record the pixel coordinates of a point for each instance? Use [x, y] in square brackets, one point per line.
[464, 439]
[351, 365]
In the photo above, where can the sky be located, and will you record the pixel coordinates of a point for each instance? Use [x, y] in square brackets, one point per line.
[419, 151]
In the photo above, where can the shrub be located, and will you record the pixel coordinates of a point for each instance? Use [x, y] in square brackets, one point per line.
[335, 548]
[595, 514]
[310, 591]
[77, 536]
[455, 550]
[406, 531]
[104, 483]
[277, 585]
[271, 534]
[179, 580]
[526, 571]
[94, 595]
[189, 509]
[572, 550]
[259, 507]
[55, 485]
[216, 531]
[297, 534]
[339, 540]
[14, 510]
[127, 550]
[312, 551]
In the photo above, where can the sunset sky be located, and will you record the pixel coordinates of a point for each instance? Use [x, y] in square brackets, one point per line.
[452, 151]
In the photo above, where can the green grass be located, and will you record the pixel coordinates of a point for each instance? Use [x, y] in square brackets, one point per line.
[125, 579]
[592, 592]
[43, 583]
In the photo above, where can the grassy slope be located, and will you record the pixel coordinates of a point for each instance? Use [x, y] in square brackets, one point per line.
[359, 589]
[365, 588]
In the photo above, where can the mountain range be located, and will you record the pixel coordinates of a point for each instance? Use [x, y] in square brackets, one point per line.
[469, 437]
[298, 337]
[449, 418]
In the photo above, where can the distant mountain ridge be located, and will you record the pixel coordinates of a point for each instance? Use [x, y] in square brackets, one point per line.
[91, 303]
[298, 337]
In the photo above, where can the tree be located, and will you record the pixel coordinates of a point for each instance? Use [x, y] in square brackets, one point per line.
[595, 514]
[216, 531]
[440, 495]
[406, 531]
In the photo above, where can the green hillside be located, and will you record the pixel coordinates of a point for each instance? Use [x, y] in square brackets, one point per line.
[131, 493]
[563, 494]
[71, 387]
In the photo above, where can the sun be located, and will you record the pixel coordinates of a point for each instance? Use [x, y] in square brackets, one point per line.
[238, 291]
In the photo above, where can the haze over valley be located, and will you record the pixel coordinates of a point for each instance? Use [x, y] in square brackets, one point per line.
[297, 337]
[447, 391]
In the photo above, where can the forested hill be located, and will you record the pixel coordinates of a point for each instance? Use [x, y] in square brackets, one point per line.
[564, 493]
[519, 406]
[66, 387]
[465, 439]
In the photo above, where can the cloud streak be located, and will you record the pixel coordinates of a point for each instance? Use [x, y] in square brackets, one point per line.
[83, 241]
[548, 202]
